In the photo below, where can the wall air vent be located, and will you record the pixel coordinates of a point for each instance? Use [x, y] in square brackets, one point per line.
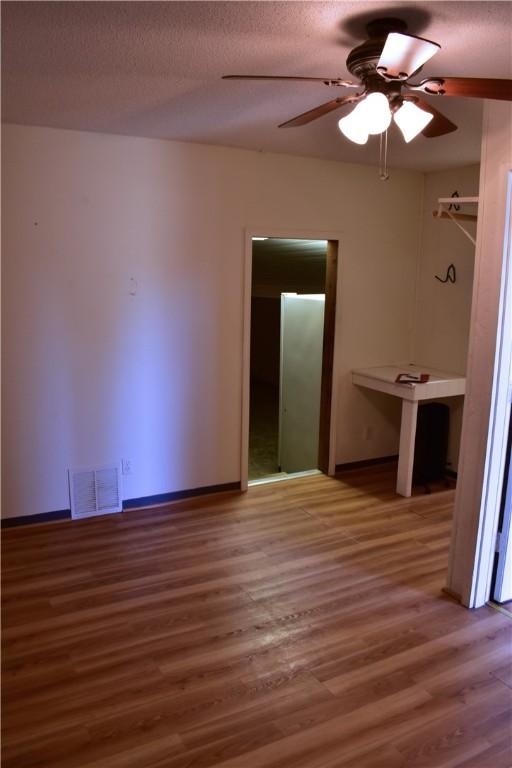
[95, 491]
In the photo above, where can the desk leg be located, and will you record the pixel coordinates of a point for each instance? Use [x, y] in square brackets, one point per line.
[406, 450]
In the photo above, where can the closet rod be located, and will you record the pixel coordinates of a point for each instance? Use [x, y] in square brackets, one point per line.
[459, 216]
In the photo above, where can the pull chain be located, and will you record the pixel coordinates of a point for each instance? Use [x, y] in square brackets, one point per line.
[383, 157]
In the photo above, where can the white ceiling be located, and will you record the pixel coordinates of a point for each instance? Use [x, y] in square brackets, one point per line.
[154, 69]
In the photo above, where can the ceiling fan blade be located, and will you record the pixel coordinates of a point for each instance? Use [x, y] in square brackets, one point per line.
[476, 87]
[325, 80]
[440, 123]
[403, 55]
[323, 109]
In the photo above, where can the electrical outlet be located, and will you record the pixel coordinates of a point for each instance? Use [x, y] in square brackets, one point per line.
[368, 433]
[126, 466]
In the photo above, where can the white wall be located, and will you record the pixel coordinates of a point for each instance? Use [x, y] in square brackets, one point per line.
[92, 373]
[443, 310]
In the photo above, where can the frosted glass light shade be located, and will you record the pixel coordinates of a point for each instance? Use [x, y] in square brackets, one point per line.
[353, 128]
[375, 112]
[411, 120]
[372, 115]
[404, 54]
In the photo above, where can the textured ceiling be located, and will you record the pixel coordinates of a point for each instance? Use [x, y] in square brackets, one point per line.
[154, 69]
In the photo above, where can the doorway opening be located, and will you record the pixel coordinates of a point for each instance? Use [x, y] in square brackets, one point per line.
[293, 302]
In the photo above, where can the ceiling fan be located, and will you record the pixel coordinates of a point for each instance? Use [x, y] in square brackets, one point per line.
[384, 64]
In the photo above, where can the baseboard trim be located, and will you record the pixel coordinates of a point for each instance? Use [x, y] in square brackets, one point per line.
[128, 504]
[42, 517]
[167, 498]
[366, 463]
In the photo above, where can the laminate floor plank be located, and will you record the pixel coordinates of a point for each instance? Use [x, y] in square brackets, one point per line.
[299, 625]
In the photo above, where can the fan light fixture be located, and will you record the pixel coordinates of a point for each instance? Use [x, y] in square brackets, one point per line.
[376, 112]
[373, 116]
[353, 128]
[404, 54]
[411, 120]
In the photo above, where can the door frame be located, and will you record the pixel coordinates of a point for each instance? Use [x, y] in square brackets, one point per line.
[499, 421]
[475, 517]
[330, 355]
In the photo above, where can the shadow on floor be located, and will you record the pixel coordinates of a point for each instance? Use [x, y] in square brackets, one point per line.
[383, 480]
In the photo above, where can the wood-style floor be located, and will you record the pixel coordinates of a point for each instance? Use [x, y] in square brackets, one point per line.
[301, 625]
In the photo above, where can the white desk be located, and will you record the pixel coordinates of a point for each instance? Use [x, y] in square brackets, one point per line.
[440, 384]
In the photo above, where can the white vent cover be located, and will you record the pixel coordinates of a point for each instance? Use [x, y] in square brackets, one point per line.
[95, 491]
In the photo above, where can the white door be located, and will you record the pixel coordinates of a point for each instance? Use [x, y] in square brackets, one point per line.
[302, 329]
[503, 583]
